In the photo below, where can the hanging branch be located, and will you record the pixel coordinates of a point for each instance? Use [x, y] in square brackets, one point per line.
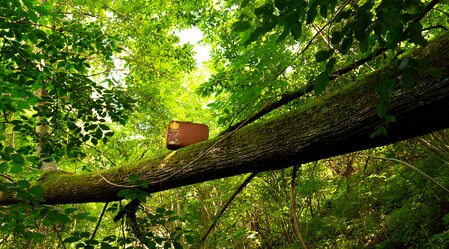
[99, 220]
[223, 209]
[293, 209]
[289, 97]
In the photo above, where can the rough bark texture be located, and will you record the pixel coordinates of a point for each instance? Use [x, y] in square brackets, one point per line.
[334, 124]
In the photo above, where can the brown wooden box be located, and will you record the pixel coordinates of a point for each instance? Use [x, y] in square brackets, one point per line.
[181, 134]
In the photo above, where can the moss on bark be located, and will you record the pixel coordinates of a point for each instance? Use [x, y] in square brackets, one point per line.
[333, 124]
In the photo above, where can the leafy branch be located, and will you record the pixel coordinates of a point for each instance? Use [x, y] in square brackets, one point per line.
[289, 97]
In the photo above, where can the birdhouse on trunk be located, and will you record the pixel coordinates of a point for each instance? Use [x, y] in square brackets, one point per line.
[181, 134]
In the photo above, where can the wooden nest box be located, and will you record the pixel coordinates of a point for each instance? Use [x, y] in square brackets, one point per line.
[181, 134]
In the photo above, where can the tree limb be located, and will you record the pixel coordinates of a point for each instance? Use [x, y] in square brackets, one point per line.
[332, 124]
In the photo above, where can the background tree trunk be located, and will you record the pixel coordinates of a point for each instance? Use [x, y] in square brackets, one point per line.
[333, 124]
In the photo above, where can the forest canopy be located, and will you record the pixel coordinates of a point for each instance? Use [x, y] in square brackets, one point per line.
[307, 104]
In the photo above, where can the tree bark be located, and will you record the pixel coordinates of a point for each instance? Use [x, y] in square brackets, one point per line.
[339, 122]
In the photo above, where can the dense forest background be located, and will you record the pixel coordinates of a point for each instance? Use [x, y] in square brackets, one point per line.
[87, 86]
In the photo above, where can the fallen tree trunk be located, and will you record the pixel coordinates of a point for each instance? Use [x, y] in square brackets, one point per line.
[333, 124]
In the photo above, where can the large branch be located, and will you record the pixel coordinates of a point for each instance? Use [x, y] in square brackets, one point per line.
[334, 124]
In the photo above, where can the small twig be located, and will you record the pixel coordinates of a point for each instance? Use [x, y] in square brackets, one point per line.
[223, 209]
[238, 113]
[445, 13]
[104, 178]
[293, 209]
[432, 149]
[114, 184]
[328, 43]
[6, 116]
[8, 178]
[322, 28]
[107, 70]
[411, 167]
[99, 220]
[313, 38]
[102, 154]
[435, 27]
[59, 236]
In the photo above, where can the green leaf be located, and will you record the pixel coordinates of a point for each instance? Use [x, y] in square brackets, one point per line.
[379, 131]
[390, 118]
[110, 238]
[323, 10]
[72, 239]
[38, 237]
[323, 55]
[321, 82]
[253, 37]
[296, 30]
[36, 191]
[244, 3]
[109, 134]
[364, 45]
[330, 64]
[384, 89]
[91, 242]
[381, 109]
[391, 18]
[280, 4]
[346, 44]
[84, 234]
[409, 77]
[98, 134]
[268, 26]
[3, 167]
[404, 63]
[415, 34]
[312, 12]
[336, 37]
[242, 25]
[287, 28]
[28, 3]
[394, 36]
[23, 184]
[189, 239]
[70, 210]
[176, 245]
[266, 9]
[22, 105]
[17, 158]
[94, 141]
